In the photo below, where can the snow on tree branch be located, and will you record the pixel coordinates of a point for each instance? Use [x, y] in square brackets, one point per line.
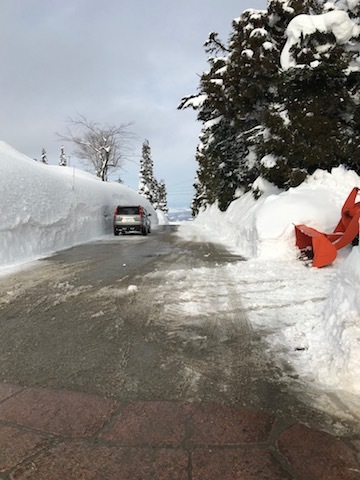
[336, 22]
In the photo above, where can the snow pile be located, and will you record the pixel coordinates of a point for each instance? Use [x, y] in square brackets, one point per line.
[311, 316]
[47, 208]
[338, 336]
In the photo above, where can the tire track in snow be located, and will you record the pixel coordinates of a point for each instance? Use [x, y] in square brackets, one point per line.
[201, 316]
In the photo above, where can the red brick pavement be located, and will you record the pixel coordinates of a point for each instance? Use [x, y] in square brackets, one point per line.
[57, 435]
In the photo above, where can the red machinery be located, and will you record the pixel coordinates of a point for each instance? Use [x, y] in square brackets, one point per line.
[323, 247]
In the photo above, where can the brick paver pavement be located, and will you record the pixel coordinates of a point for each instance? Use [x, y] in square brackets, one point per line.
[58, 435]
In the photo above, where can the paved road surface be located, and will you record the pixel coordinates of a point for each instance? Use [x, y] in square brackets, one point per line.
[132, 358]
[116, 318]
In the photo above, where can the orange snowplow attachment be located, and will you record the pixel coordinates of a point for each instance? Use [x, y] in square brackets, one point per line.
[322, 247]
[317, 246]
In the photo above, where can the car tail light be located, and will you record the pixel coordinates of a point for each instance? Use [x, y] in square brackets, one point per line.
[140, 211]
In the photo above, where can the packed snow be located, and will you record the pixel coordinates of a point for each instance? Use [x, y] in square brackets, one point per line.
[311, 317]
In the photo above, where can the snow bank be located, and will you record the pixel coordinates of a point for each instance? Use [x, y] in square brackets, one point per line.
[47, 208]
[162, 217]
[336, 340]
[264, 228]
[312, 314]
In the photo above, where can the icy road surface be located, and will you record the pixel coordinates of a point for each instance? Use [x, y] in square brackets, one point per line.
[148, 318]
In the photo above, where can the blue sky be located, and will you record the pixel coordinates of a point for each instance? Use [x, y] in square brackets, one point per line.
[114, 62]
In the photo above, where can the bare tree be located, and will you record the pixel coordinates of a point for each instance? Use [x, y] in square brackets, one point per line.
[105, 148]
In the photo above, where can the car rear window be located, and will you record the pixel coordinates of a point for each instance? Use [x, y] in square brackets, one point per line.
[128, 211]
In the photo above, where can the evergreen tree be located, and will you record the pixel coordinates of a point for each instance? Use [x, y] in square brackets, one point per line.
[149, 187]
[233, 94]
[251, 83]
[44, 156]
[281, 123]
[314, 120]
[162, 197]
[62, 159]
[147, 182]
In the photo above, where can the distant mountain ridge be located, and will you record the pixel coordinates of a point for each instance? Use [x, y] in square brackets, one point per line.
[180, 215]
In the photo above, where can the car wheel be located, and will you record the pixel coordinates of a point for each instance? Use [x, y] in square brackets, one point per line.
[144, 231]
[116, 232]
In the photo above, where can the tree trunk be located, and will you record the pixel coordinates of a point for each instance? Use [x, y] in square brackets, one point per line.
[104, 166]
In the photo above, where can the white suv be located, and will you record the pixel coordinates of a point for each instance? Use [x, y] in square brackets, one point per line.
[131, 219]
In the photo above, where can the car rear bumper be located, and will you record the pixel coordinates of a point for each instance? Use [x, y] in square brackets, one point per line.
[128, 228]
